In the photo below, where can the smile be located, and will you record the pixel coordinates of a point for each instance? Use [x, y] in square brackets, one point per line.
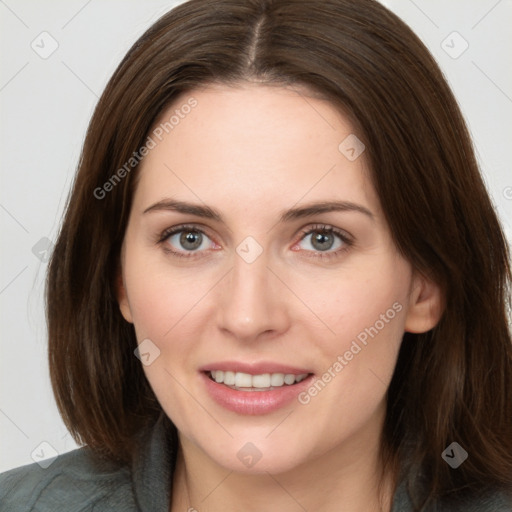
[263, 382]
[254, 388]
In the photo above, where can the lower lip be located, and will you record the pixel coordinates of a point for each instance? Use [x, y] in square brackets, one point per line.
[254, 402]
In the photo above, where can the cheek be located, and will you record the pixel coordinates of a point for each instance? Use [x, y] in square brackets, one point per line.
[161, 300]
[357, 300]
[366, 312]
[165, 308]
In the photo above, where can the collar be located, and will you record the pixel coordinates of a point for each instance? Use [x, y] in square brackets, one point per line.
[153, 466]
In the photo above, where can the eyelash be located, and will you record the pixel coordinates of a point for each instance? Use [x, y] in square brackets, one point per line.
[323, 228]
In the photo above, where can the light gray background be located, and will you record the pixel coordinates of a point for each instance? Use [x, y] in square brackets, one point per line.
[46, 104]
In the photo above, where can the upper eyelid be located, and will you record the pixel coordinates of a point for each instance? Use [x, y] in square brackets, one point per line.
[184, 227]
[326, 227]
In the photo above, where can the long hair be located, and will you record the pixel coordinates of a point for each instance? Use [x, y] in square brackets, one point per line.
[453, 383]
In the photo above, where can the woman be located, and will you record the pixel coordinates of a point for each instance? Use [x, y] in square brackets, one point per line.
[280, 283]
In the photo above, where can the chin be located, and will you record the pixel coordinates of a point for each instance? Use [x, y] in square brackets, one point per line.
[257, 457]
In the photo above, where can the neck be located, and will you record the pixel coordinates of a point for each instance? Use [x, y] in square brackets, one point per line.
[345, 478]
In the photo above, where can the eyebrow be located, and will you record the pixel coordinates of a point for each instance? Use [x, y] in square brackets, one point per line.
[307, 210]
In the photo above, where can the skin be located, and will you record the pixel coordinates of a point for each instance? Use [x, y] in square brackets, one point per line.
[251, 152]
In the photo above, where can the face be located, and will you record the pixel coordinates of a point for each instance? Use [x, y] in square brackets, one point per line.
[257, 255]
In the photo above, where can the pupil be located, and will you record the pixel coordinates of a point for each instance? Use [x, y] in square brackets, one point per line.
[190, 239]
[324, 241]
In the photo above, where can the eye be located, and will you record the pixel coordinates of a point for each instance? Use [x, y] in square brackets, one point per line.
[319, 241]
[181, 240]
[324, 241]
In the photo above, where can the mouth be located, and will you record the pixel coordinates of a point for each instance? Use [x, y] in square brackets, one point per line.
[254, 389]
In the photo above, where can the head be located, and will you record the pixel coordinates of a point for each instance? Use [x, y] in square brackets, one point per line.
[252, 112]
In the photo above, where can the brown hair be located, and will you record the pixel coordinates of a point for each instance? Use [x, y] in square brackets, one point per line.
[453, 383]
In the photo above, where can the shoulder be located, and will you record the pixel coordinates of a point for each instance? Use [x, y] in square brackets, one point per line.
[475, 501]
[490, 501]
[75, 479]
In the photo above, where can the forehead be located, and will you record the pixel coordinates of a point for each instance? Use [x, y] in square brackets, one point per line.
[251, 144]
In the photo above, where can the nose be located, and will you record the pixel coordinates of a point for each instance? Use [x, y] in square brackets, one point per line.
[253, 302]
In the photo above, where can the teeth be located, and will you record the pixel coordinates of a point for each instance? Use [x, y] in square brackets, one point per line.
[229, 378]
[277, 379]
[262, 381]
[289, 379]
[243, 380]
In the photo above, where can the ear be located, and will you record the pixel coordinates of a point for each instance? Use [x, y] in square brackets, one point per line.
[122, 297]
[425, 305]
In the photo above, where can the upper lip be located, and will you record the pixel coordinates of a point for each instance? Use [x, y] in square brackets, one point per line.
[253, 368]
